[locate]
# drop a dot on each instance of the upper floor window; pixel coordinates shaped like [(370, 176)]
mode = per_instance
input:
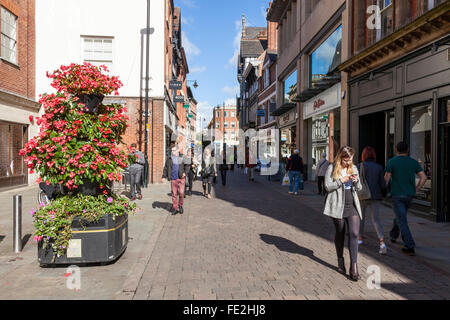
[(233, 124), (233, 114), (218, 114), (98, 51), (326, 57), (8, 36), (217, 125), (266, 77), (290, 87), (225, 114), (225, 125)]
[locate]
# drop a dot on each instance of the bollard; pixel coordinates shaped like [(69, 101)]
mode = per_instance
[(17, 224)]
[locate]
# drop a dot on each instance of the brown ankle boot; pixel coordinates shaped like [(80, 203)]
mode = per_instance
[(341, 266), (354, 275)]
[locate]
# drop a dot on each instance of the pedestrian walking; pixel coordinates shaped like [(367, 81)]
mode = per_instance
[(175, 170), (192, 172), (321, 169), (373, 174), (400, 173), (250, 166), (136, 170), (208, 172), (294, 168), (223, 168), (342, 205)]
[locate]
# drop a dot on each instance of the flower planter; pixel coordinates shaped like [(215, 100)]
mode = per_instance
[(100, 242), (91, 102), (89, 188)]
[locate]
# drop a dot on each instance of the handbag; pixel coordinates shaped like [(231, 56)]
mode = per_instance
[(364, 194)]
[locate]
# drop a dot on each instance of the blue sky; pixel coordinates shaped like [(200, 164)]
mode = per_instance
[(211, 33)]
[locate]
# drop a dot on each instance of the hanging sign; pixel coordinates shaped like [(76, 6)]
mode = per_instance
[(175, 85)]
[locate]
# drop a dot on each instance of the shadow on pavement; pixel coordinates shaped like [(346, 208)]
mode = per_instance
[(1, 238), (286, 245), (304, 212), (25, 240), (162, 205)]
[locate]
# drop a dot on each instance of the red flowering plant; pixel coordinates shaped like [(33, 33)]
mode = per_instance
[(74, 148)]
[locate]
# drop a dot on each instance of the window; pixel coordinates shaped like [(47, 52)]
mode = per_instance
[(13, 170), (225, 136), (233, 114), (218, 114), (233, 136), (290, 87), (98, 51), (8, 36), (226, 124), (420, 120), (217, 125), (386, 19), (225, 114), (326, 57), (266, 77), (233, 124)]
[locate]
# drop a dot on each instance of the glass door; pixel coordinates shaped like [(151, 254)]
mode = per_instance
[(444, 162)]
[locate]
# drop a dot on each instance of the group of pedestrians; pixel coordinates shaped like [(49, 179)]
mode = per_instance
[(345, 183)]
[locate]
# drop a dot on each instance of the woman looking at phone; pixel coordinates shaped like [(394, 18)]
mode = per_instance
[(342, 205)]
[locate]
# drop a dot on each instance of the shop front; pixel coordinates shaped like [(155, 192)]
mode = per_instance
[(408, 100), (322, 114), (288, 133)]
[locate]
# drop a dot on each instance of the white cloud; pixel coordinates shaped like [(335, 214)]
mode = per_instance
[(231, 91), (204, 110), (230, 102), (197, 69), (191, 49), (187, 21), (236, 44)]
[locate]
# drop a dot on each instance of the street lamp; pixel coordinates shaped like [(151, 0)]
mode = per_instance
[(195, 85)]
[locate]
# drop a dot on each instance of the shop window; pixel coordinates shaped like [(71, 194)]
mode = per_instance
[(13, 170), (420, 121), (290, 87), (326, 57)]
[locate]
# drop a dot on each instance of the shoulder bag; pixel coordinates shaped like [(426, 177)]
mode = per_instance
[(364, 194)]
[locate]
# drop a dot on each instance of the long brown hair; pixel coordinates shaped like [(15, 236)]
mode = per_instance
[(343, 153)]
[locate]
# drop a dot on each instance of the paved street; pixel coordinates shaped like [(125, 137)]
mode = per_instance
[(251, 241)]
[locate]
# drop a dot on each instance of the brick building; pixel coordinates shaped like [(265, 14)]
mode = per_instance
[(17, 89), (224, 129)]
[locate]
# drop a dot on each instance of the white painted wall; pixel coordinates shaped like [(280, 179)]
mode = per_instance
[(61, 23)]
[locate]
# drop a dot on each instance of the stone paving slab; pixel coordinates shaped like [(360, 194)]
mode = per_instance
[(22, 278), (254, 241)]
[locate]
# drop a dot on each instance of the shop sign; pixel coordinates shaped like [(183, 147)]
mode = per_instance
[(323, 102), (175, 85), (178, 98), (260, 113)]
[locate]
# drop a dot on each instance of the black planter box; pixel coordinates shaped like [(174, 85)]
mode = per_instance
[(91, 102), (100, 242)]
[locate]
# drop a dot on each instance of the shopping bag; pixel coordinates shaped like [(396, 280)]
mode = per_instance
[(286, 181), (245, 170)]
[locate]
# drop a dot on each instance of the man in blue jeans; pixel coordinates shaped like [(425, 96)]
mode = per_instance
[(295, 170), (401, 174)]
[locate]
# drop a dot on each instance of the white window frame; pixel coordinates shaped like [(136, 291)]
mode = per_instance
[(225, 124), (233, 114), (233, 124), (217, 114), (98, 60), (218, 125), (4, 15)]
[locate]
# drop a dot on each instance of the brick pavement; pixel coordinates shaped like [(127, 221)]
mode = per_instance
[(254, 241)]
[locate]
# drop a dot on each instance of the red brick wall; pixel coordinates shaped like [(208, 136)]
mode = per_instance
[(20, 79), (135, 133)]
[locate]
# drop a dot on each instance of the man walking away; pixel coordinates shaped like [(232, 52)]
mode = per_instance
[(136, 170), (295, 169), (321, 169), (400, 173), (175, 170), (223, 167)]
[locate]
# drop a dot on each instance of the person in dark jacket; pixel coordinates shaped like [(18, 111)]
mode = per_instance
[(208, 171), (223, 168), (175, 170), (295, 170), (374, 175), (191, 173), (136, 169)]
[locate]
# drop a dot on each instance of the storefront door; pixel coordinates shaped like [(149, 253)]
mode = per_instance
[(444, 162), (377, 130)]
